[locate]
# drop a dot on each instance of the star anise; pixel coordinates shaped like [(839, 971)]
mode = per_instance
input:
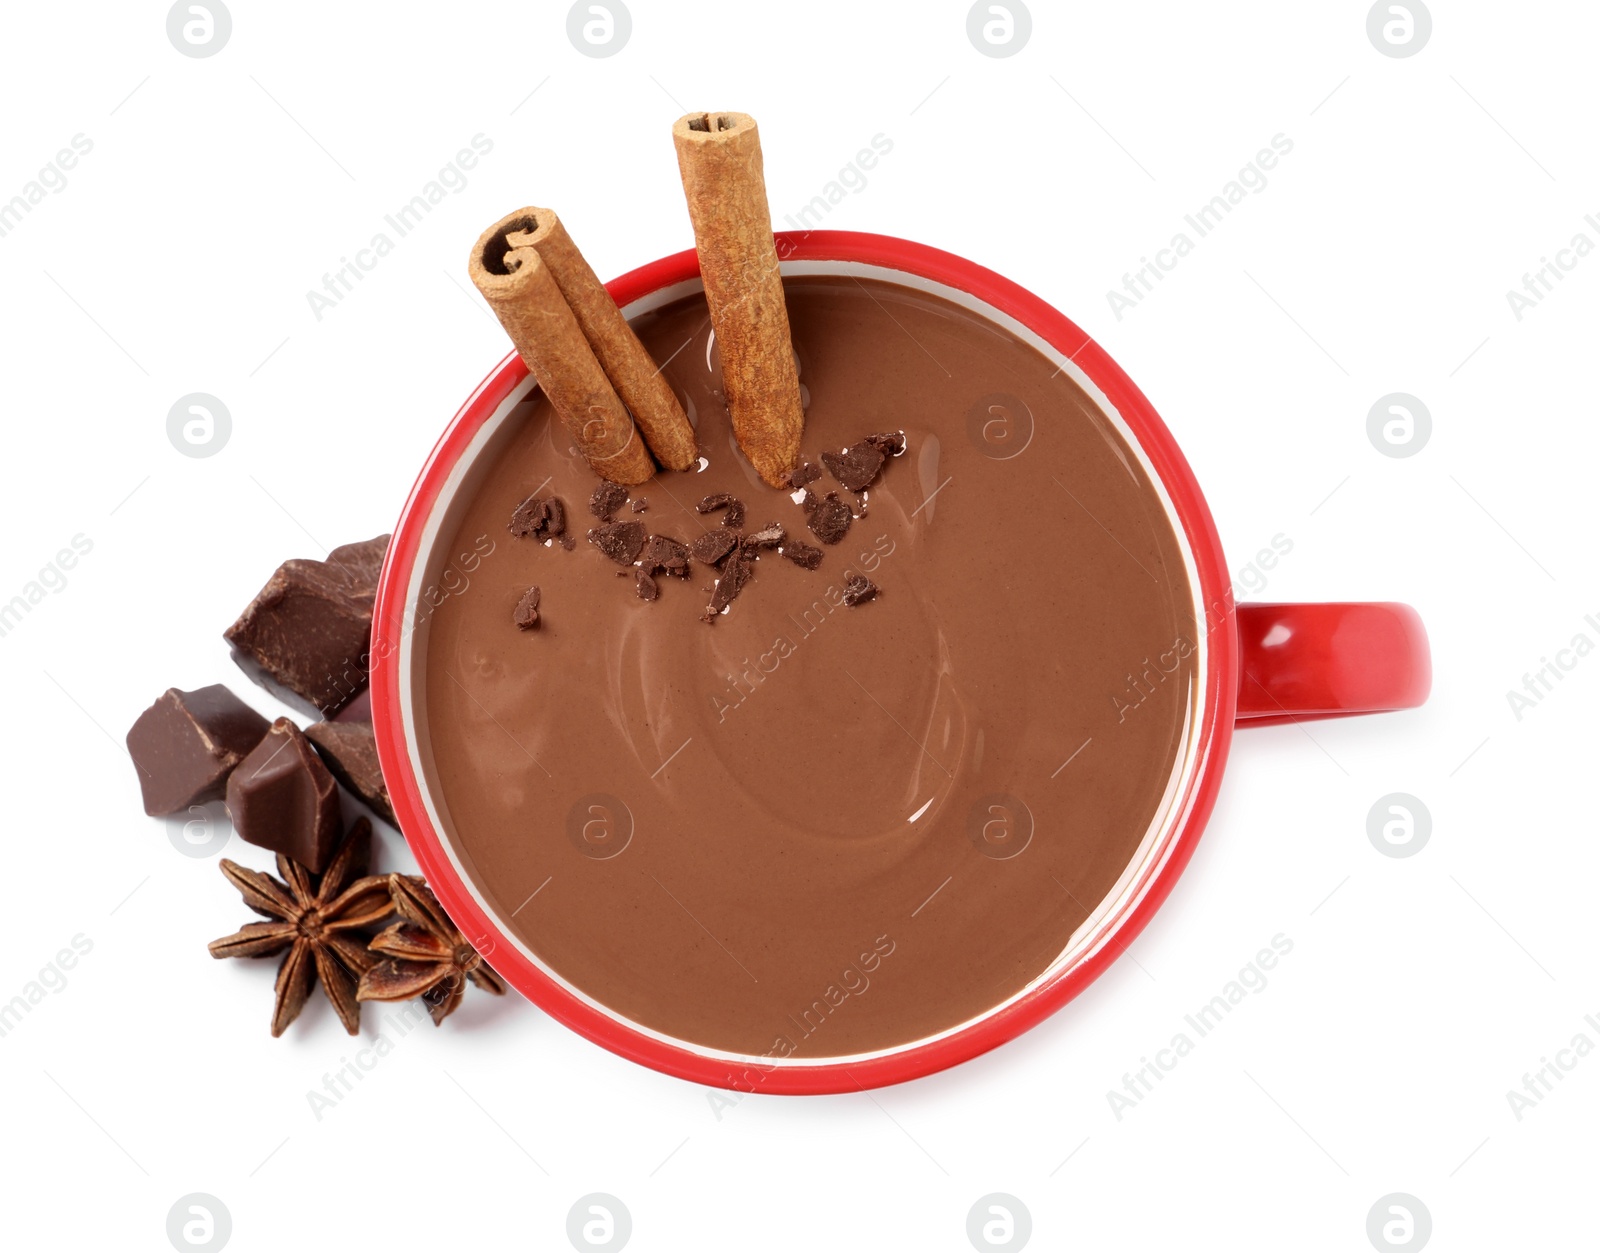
[(312, 916), (424, 955)]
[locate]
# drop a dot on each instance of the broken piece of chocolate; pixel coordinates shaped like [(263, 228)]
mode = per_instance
[(713, 546), (802, 474), (829, 518), (526, 614), (607, 499), (724, 500), (350, 752), (621, 541), (361, 562), (769, 536), (187, 743), (856, 466), (664, 555), (736, 572), (644, 586), (858, 588), (802, 554), (889, 443), (539, 518), (281, 797), (306, 634), (640, 505)]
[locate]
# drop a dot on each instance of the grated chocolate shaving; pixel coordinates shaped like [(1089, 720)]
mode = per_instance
[(803, 474), (539, 518), (526, 614), (769, 536), (664, 555), (858, 589), (607, 499), (856, 466), (736, 572), (713, 546), (724, 500), (621, 541), (829, 518), (802, 554)]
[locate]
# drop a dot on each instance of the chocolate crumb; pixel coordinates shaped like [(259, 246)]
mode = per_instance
[(856, 466), (663, 554), (769, 536), (540, 518), (526, 614), (569, 542), (640, 505), (803, 474), (830, 519), (724, 500), (805, 555), (858, 588), (621, 541), (890, 443), (736, 573), (644, 586), (607, 499), (713, 546)]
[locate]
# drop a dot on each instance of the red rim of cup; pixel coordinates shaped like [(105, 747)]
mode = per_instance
[(1161, 869)]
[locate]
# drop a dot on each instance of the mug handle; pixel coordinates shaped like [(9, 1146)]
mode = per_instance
[(1299, 662)]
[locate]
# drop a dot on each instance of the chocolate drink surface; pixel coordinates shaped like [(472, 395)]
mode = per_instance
[(810, 827)]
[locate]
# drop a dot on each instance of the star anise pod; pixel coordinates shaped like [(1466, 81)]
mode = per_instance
[(424, 955), (311, 917)]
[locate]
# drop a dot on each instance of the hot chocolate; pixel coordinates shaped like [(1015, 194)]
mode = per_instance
[(822, 822)]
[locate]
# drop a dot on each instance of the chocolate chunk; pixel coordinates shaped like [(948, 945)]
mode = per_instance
[(307, 632), (621, 541), (644, 586), (607, 499), (858, 588), (358, 710), (724, 500), (803, 474), (829, 519), (769, 536), (856, 466), (802, 554), (361, 563), (539, 518), (281, 797), (526, 614), (186, 744), (350, 752), (568, 542), (713, 546), (664, 555), (736, 572), (640, 505), (890, 443)]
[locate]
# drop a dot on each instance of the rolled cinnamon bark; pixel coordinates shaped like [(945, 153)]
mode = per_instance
[(526, 298), (719, 158), (636, 378)]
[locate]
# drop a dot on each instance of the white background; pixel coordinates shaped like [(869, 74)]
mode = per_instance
[(1419, 190)]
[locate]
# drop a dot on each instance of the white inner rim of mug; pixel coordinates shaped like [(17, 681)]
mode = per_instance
[(1103, 922)]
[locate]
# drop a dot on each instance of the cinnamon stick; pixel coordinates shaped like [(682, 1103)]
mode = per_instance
[(719, 158), (526, 298), (635, 376)]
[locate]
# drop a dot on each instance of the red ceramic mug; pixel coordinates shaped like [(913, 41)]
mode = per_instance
[(1260, 664)]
